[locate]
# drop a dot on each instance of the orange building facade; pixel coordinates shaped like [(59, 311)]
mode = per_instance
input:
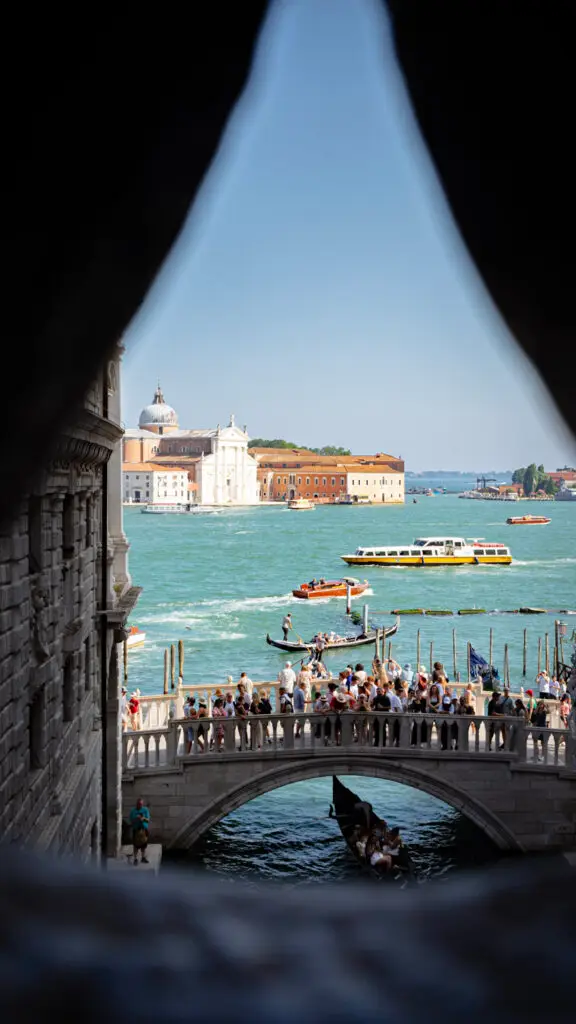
[(284, 474)]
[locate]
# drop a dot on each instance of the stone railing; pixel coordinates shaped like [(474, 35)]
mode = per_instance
[(157, 711), (263, 736)]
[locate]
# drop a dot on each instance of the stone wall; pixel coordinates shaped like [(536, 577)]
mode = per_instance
[(50, 661), (58, 629)]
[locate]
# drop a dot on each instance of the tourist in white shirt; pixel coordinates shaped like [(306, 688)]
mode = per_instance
[(229, 709), (543, 683), (554, 688), (287, 677), (360, 673), (246, 683), (407, 674), (395, 702)]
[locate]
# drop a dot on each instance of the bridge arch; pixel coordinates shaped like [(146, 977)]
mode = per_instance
[(284, 774)]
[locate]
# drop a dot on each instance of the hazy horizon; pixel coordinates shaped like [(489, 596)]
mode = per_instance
[(319, 290)]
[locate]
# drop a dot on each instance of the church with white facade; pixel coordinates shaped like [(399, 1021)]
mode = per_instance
[(220, 469)]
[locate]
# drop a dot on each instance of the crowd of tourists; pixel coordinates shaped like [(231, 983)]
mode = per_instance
[(385, 687)]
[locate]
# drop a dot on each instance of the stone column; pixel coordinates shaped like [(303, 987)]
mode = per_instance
[(119, 542), (114, 748)]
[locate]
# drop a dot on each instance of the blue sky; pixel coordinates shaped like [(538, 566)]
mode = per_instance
[(319, 290)]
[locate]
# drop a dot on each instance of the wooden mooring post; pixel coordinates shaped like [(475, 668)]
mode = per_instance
[(166, 670), (180, 662), (506, 672), (431, 656), (172, 665), (490, 649), (348, 599), (539, 654), (468, 646), (125, 652), (525, 653), (547, 652), (454, 659), (418, 651)]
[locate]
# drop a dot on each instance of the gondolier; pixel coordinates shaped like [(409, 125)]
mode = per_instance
[(338, 644), (287, 625), (320, 644)]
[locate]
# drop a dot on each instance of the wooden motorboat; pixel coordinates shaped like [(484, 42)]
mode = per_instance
[(349, 812), (330, 588), (527, 520), (345, 643), (136, 637)]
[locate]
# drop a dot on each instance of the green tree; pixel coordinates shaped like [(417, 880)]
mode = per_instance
[(277, 442), (329, 449), (518, 476), (530, 478), (550, 486)]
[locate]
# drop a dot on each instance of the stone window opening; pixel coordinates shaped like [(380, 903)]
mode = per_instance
[(35, 559), (67, 691), (36, 731), (88, 534), (87, 665), (68, 527)]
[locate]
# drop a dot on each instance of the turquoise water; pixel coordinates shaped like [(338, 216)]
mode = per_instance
[(220, 583)]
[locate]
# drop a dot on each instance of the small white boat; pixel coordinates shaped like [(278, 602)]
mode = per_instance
[(136, 637), (182, 510), (301, 505)]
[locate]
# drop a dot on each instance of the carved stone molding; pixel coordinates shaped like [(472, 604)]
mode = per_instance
[(82, 454)]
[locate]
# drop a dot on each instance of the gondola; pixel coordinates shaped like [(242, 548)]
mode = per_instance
[(361, 640), (349, 811)]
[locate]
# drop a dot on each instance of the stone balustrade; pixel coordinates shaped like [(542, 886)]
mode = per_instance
[(264, 736), (158, 710)]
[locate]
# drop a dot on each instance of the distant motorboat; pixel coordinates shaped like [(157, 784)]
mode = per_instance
[(301, 505), (331, 588), (181, 510), (527, 520)]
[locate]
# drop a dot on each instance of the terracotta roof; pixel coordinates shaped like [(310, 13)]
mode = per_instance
[(381, 467), (334, 469), (150, 467), (288, 460)]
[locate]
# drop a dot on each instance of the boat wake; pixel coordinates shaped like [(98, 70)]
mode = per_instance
[(543, 561)]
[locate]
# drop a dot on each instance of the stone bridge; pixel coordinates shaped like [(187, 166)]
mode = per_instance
[(518, 784)]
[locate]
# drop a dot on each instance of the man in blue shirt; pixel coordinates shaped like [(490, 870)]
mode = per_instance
[(140, 822)]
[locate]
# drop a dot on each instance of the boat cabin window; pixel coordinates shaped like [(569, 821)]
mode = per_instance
[(404, 554), (502, 551), (478, 551), (392, 554), (490, 551), (458, 544), (368, 553), (416, 552)]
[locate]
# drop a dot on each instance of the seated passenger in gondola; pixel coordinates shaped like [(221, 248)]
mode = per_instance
[(312, 584), (393, 841), (377, 855)]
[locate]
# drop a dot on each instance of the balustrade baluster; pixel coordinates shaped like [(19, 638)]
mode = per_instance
[(288, 732), (464, 734), (405, 731)]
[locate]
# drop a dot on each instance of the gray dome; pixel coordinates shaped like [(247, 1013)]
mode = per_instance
[(158, 413)]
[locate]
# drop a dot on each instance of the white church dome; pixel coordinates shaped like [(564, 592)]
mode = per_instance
[(158, 414)]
